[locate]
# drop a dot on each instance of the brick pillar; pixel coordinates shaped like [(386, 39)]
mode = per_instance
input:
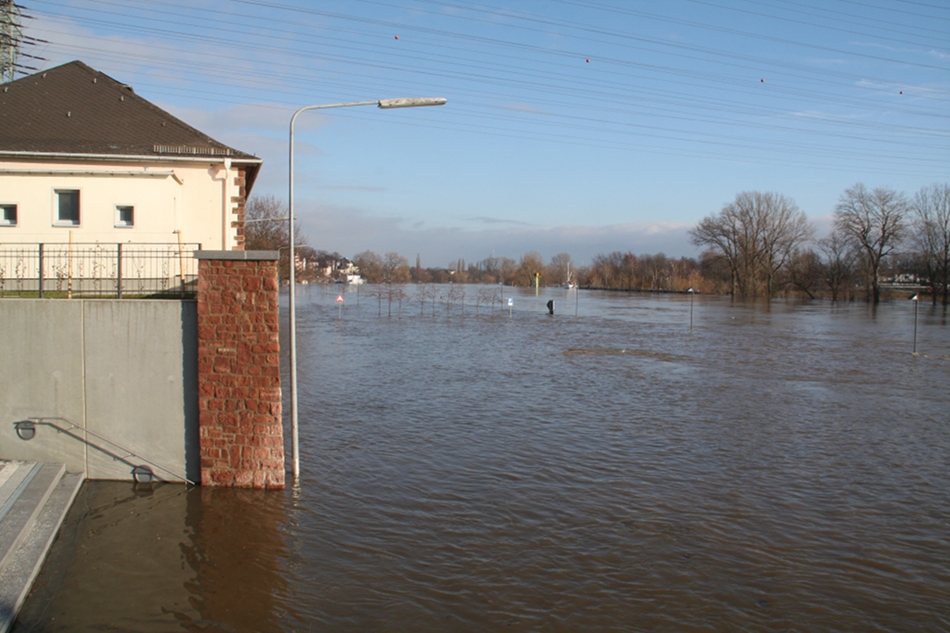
[(239, 413)]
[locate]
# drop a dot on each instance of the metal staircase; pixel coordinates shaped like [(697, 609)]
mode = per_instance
[(34, 500)]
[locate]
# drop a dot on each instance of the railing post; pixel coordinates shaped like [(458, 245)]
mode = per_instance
[(118, 274), (41, 271)]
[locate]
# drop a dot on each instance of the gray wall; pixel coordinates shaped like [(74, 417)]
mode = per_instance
[(125, 370)]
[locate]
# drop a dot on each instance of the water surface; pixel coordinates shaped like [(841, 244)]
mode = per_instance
[(777, 467)]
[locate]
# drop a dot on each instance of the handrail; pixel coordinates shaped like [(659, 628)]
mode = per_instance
[(47, 422)]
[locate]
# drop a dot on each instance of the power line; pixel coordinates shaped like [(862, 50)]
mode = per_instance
[(639, 88)]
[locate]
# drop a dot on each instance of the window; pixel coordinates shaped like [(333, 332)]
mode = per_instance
[(67, 207), (124, 216), (7, 215)]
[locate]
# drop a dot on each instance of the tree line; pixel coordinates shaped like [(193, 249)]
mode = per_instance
[(759, 245), (763, 244)]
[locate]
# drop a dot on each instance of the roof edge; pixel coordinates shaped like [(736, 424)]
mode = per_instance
[(130, 157)]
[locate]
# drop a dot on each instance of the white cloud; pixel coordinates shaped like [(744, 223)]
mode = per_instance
[(484, 219), (349, 231), (245, 117), (525, 108)]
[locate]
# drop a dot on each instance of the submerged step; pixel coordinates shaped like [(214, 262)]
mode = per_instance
[(25, 504), (32, 519), (14, 476)]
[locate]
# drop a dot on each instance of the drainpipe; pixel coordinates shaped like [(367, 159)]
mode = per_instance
[(226, 207)]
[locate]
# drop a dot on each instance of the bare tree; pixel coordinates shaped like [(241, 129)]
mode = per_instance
[(784, 229), (395, 269), (605, 269), (266, 229), (456, 294), (837, 259), (931, 236), (378, 291), (805, 272), (684, 274), (507, 268), (531, 263), (487, 271), (266, 226), (716, 272), (757, 233), (724, 234), (420, 275), (485, 295), (656, 268), (560, 268), (875, 223), (633, 270), (425, 292), (396, 292), (370, 266)]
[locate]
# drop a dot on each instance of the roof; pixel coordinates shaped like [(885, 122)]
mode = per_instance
[(74, 109)]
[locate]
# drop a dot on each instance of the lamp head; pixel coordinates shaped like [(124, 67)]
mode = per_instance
[(416, 102), (142, 475), (25, 429)]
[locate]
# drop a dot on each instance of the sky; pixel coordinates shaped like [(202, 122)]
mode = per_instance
[(571, 127)]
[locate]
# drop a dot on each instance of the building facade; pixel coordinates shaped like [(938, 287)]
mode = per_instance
[(84, 159)]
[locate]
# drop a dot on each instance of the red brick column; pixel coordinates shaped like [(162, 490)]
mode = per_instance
[(239, 413)]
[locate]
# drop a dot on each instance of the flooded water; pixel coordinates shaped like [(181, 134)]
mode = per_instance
[(781, 467)]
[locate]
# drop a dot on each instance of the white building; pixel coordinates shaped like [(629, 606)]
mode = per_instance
[(85, 159)]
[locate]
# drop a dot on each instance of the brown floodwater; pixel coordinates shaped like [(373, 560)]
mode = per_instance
[(779, 467)]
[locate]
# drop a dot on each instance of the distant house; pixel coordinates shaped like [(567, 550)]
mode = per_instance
[(84, 158)]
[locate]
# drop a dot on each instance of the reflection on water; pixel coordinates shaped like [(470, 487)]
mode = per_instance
[(780, 467), (144, 558)]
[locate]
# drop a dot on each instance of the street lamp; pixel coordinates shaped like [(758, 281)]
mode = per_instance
[(383, 104)]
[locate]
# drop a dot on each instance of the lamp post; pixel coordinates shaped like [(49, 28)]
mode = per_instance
[(383, 104)]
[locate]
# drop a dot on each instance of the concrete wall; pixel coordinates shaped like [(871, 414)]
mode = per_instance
[(124, 369)]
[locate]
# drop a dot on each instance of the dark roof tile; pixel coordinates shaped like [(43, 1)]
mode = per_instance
[(74, 109)]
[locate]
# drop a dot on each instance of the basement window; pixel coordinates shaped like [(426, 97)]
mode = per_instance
[(124, 216), (67, 207), (7, 215)]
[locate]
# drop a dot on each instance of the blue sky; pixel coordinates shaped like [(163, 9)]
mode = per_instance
[(577, 127)]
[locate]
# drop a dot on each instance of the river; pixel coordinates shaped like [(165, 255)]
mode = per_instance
[(631, 463)]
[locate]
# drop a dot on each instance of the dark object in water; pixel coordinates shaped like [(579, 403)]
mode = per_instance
[(551, 306)]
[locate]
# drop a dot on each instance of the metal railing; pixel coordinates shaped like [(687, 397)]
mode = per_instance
[(98, 269), (26, 430)]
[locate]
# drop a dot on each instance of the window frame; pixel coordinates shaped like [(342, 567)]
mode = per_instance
[(57, 221), (119, 223), (4, 218)]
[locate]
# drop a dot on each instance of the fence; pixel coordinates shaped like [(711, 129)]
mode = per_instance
[(98, 270)]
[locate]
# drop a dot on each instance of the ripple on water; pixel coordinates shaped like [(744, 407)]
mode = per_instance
[(774, 469)]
